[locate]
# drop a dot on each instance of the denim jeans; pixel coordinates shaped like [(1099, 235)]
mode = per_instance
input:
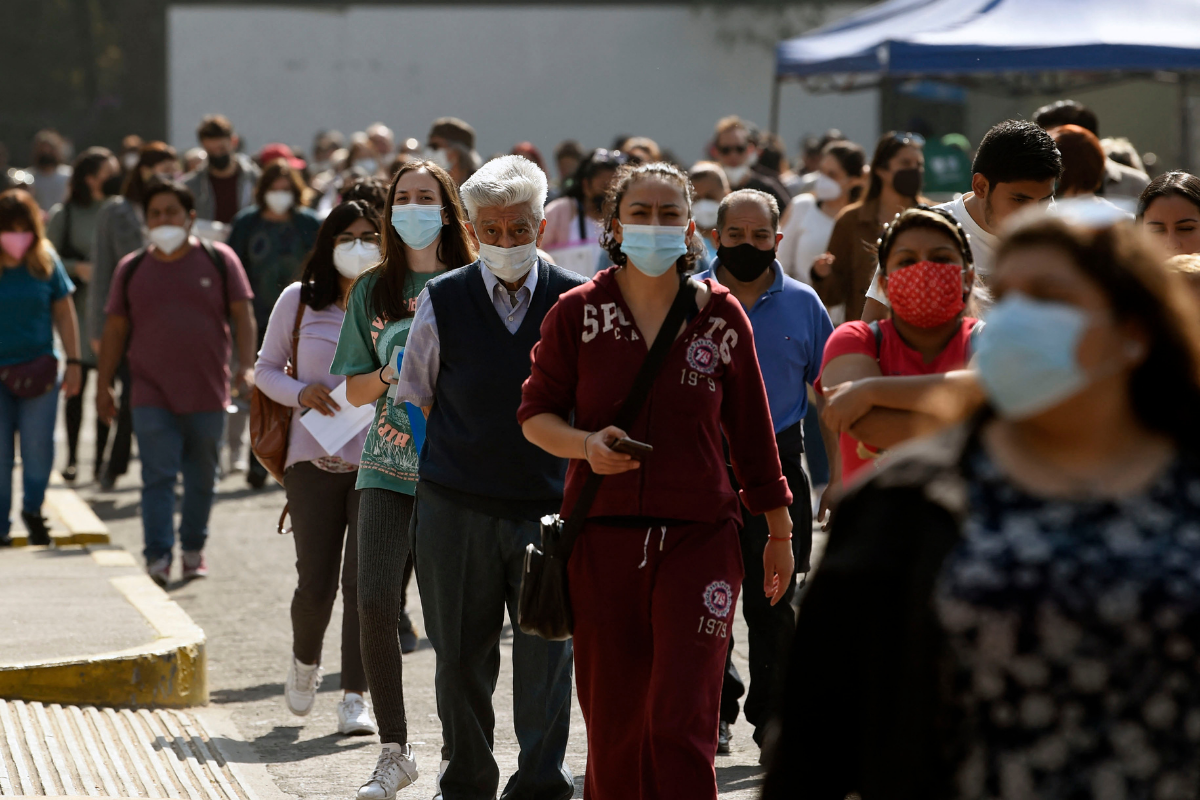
[(170, 444), (33, 420)]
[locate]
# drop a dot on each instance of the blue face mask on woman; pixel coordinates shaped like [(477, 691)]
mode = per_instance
[(419, 226), (1026, 355), (653, 249)]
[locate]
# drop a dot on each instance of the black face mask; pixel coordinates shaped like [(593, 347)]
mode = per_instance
[(46, 160), (221, 161), (908, 182), (112, 186), (745, 262)]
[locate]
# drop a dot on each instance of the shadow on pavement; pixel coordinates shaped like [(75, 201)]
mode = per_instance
[(283, 744), (742, 776), (264, 691)]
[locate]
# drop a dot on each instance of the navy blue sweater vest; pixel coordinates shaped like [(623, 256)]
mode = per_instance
[(474, 446)]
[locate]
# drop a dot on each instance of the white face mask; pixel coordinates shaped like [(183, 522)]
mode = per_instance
[(352, 258), (167, 238), (437, 156), (737, 174), (509, 264), (130, 159), (279, 201), (368, 164), (705, 213), (826, 188)]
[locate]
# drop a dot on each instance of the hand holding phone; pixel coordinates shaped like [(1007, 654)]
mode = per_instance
[(631, 447)]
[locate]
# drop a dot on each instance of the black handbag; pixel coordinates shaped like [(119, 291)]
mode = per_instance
[(544, 606)]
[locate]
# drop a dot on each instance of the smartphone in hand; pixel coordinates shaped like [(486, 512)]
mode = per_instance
[(631, 447)]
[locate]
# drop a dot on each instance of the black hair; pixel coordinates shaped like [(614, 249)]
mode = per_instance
[(630, 174), (159, 185), (1066, 112), (923, 216), (87, 165), (1177, 184), (372, 191), (319, 287), (595, 161), (851, 157), (1017, 150), (889, 145)]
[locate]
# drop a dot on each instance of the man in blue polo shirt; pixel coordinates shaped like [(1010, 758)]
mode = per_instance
[(790, 328)]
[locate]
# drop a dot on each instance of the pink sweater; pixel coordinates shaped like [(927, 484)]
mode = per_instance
[(318, 339)]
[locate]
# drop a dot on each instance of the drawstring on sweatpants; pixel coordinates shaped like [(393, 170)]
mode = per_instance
[(646, 544)]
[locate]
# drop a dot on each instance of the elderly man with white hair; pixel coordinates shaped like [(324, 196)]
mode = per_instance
[(483, 488)]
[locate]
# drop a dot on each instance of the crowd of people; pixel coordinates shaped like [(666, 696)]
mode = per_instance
[(988, 402)]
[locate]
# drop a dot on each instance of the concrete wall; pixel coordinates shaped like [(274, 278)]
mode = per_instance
[(517, 73)]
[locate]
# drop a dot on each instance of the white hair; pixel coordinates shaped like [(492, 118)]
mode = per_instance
[(506, 181)]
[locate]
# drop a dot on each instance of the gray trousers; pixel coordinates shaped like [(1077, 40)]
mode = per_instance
[(383, 548), (469, 568)]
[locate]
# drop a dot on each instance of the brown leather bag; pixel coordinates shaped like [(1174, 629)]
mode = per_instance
[(270, 422)]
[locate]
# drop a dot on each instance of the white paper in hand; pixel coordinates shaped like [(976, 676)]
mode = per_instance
[(332, 433), (397, 358)]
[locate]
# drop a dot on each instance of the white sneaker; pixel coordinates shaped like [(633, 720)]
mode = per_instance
[(354, 716), (396, 768), (301, 688)]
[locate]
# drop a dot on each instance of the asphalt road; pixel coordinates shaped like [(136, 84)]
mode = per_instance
[(244, 609)]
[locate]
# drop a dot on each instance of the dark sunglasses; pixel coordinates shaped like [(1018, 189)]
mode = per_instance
[(613, 158), (731, 148)]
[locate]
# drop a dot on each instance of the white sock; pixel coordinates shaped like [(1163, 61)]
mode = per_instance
[(392, 746), (352, 696)]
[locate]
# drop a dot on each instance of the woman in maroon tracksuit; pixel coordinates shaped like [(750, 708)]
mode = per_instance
[(655, 574)]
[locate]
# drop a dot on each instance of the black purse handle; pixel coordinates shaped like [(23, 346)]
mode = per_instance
[(629, 410)]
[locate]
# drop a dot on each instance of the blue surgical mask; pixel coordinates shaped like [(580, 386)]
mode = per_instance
[(653, 249), (1026, 355), (419, 226)]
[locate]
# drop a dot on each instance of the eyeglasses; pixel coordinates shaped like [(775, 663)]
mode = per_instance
[(914, 139), (366, 238), (731, 148)]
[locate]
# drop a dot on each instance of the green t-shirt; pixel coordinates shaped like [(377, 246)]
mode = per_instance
[(389, 458)]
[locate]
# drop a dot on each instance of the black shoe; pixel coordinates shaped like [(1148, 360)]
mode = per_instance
[(107, 481), (408, 634), (70, 473), (39, 533), (723, 737), (255, 479), (5, 541)]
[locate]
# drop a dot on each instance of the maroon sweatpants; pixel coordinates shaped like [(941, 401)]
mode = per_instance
[(652, 617)]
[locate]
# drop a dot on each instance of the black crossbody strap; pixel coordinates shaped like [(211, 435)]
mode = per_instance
[(632, 407)]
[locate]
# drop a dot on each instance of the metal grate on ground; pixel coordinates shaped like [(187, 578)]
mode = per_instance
[(53, 750)]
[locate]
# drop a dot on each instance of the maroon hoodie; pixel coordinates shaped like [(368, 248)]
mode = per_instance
[(588, 356)]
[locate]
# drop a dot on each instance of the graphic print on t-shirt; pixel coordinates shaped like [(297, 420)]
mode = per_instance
[(386, 449)]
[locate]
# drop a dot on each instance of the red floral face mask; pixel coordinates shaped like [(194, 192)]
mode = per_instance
[(927, 294)]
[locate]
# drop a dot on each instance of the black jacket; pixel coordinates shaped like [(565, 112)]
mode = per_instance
[(867, 706)]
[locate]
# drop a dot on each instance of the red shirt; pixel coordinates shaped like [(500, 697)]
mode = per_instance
[(225, 197), (179, 340), (895, 358), (709, 383)]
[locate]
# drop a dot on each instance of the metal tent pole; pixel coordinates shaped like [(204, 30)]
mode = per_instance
[(775, 87), (1185, 124)]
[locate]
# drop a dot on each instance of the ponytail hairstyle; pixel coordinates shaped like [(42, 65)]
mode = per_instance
[(19, 211), (87, 165), (454, 248), (629, 174), (889, 145), (151, 155)]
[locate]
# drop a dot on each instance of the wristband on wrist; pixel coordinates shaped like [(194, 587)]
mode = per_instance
[(76, 361), (380, 374), (787, 538), (586, 457)]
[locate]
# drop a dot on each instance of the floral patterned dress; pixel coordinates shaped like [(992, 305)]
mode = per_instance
[(1075, 631)]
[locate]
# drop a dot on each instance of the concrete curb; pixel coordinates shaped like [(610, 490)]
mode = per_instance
[(169, 672), (64, 505)]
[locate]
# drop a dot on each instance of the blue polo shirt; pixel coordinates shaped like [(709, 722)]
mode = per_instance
[(791, 327)]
